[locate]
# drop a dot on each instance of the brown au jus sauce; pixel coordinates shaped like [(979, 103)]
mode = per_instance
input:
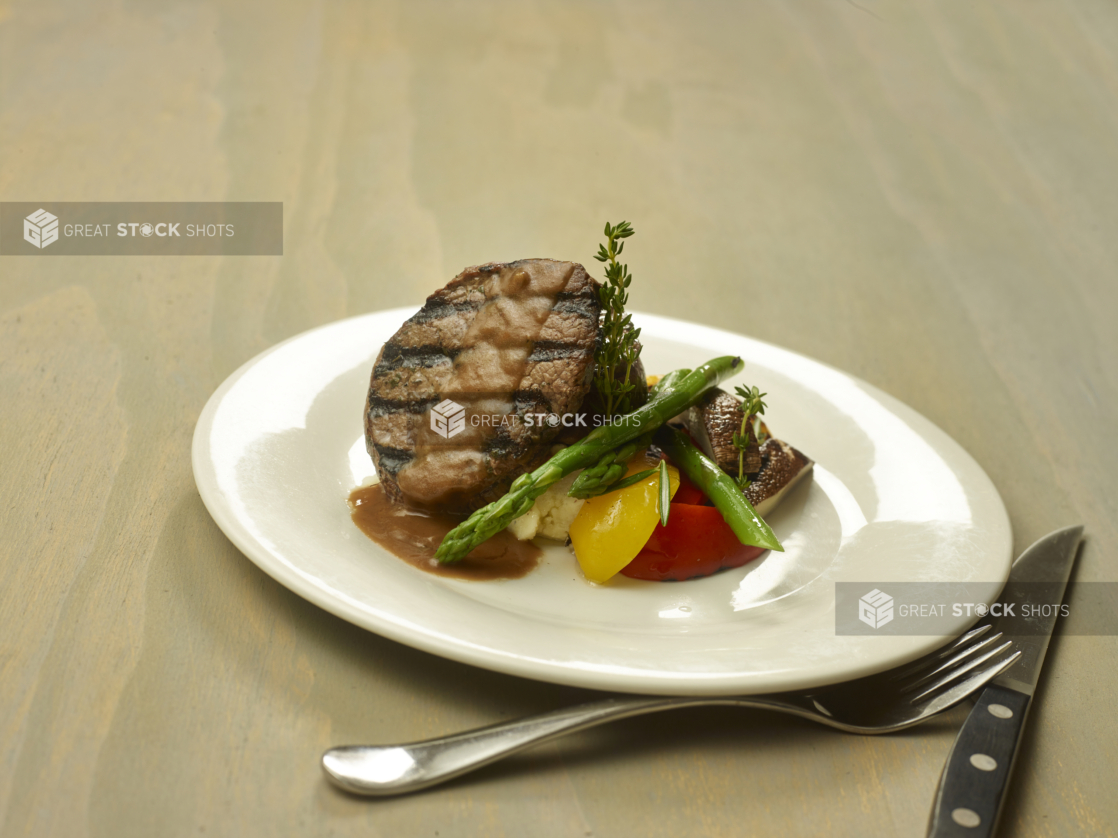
[(413, 534)]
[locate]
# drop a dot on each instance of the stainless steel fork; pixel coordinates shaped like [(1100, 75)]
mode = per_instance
[(881, 703)]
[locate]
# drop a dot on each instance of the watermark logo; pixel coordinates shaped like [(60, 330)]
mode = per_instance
[(944, 608), (875, 609), (141, 228), (40, 228), (448, 418), (495, 414)]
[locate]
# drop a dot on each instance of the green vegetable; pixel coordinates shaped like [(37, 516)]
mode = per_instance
[(602, 476), (737, 511), (668, 381), (608, 474), (618, 349), (665, 493), (669, 401), (631, 480)]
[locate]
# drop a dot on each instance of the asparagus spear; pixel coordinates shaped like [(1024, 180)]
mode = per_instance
[(608, 474), (631, 480), (669, 401), (603, 475), (728, 498)]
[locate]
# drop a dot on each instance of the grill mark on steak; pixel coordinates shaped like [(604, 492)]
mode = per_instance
[(392, 460), (377, 406), (529, 401), (580, 304), (501, 341), (551, 350), (500, 444), (396, 356), (437, 309)]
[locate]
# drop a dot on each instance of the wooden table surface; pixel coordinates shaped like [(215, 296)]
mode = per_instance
[(923, 195)]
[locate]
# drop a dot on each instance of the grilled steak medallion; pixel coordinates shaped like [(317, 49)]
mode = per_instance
[(506, 343)]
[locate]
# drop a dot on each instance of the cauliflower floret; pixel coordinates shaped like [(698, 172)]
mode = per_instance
[(551, 515), (527, 525), (556, 521)]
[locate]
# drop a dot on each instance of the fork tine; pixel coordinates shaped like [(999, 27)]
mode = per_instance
[(943, 652), (963, 670), (951, 662), (966, 638), (971, 685)]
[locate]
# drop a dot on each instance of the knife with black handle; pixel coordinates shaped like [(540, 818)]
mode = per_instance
[(974, 781)]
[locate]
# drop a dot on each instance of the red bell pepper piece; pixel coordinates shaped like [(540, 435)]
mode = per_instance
[(696, 542), (688, 493)]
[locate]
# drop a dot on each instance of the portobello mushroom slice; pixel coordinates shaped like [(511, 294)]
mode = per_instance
[(773, 466), (782, 468), (713, 423)]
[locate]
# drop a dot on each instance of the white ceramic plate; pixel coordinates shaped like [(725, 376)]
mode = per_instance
[(280, 445)]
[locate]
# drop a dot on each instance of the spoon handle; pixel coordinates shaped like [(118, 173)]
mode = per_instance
[(378, 770)]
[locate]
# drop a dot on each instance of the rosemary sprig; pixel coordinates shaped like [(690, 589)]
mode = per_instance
[(752, 404), (664, 502), (618, 349)]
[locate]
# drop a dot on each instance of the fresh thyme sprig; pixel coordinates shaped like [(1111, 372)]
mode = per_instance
[(618, 350), (664, 502), (752, 404)]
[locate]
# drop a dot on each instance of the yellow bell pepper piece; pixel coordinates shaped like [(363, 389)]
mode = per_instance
[(611, 529)]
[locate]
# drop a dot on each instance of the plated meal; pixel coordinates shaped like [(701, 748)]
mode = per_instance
[(515, 405), (282, 443)]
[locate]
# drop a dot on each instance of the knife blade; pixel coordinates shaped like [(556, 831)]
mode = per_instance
[(972, 788)]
